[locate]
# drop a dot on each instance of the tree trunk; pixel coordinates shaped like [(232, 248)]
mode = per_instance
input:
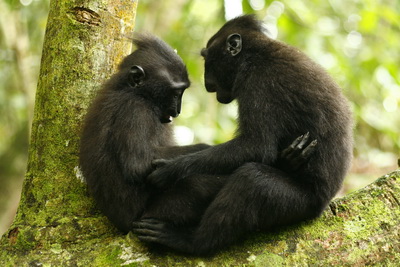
[(84, 42), (57, 223)]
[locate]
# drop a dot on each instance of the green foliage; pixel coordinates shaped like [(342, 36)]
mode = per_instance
[(356, 41), (22, 25)]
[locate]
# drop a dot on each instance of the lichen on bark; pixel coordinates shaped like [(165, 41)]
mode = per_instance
[(84, 42)]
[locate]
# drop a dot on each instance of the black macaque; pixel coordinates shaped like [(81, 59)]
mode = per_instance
[(281, 93), (127, 127)]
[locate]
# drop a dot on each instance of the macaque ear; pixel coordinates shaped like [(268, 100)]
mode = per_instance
[(234, 44), (136, 75)]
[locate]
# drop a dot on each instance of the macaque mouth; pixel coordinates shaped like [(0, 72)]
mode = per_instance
[(211, 87), (167, 118)]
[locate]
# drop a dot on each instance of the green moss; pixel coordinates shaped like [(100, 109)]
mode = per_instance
[(109, 257), (266, 259), (25, 239)]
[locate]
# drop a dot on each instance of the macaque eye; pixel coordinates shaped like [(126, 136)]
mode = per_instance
[(176, 94)]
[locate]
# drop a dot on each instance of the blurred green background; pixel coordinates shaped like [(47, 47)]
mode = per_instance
[(357, 41)]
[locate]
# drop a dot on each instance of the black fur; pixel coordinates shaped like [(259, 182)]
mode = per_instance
[(281, 94), (126, 128)]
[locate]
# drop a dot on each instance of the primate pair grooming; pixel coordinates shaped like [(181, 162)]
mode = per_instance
[(202, 198)]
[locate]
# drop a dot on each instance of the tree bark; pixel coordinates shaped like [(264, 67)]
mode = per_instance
[(57, 223), (84, 42)]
